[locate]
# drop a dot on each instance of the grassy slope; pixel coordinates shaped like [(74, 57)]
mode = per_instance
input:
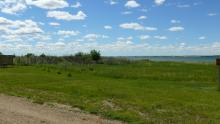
[(135, 93)]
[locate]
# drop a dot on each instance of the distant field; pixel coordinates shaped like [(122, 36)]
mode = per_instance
[(141, 92)]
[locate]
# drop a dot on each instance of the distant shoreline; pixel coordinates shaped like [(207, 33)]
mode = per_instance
[(173, 58)]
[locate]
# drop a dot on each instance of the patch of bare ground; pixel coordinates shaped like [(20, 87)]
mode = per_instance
[(14, 110)]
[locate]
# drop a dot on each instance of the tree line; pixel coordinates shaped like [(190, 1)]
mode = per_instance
[(93, 56)]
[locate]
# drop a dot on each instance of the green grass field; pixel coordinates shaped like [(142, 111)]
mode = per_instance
[(141, 92)]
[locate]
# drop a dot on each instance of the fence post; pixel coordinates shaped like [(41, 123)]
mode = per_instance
[(218, 64)]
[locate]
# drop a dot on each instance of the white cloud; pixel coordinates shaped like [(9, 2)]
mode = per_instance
[(108, 27), (144, 37), (183, 6), (151, 28), (76, 5), (19, 30), (112, 2), (175, 21), (124, 38), (48, 4), (136, 26), (176, 29), (68, 33), (212, 14), (142, 17), (19, 27), (122, 46), (62, 15), (133, 26), (54, 24), (12, 6), (132, 4), (202, 38), (94, 37), (159, 2), (160, 37), (59, 45), (126, 13), (124, 41)]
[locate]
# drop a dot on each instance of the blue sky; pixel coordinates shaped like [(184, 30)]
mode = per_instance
[(115, 27)]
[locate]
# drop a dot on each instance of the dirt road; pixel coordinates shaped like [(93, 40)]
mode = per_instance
[(14, 110)]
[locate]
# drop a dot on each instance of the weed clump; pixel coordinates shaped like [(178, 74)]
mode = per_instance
[(91, 69), (69, 75), (59, 72)]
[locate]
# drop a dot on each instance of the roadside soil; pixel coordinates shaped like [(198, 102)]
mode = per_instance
[(15, 110)]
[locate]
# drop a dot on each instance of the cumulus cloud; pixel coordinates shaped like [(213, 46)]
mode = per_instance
[(108, 27), (58, 45), (150, 28), (132, 4), (62, 15), (202, 38), (93, 37), (126, 13), (144, 37), (76, 5), (17, 6), (133, 26), (175, 21), (54, 24), (48, 4), (124, 41), (20, 30), (122, 46), (12, 6), (176, 29), (136, 26), (111, 2), (159, 2), (160, 37), (212, 14), (142, 17), (19, 27), (68, 33)]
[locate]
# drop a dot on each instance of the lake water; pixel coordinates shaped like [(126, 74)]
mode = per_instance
[(176, 58)]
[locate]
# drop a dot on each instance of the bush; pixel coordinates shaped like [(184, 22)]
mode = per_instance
[(80, 58)]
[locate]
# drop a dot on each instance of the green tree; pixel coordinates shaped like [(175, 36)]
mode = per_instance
[(79, 54), (29, 55), (1, 53), (95, 55), (43, 55)]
